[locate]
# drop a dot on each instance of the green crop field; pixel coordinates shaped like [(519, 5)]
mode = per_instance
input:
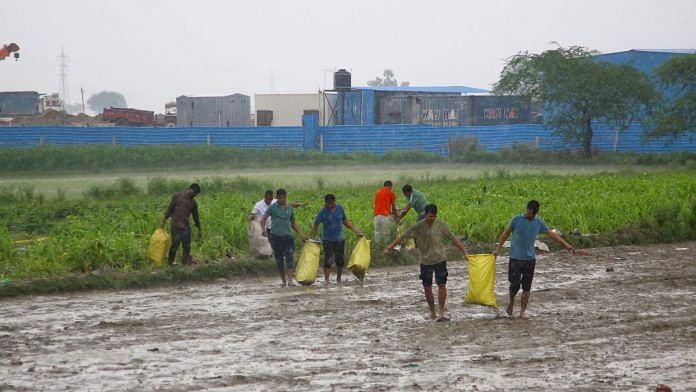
[(108, 226)]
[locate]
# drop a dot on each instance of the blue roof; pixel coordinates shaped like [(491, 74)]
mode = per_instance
[(669, 51), (428, 89)]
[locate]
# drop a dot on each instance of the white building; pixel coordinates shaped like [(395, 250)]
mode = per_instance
[(282, 110)]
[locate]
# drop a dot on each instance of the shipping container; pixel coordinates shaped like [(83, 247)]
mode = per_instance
[(223, 112)]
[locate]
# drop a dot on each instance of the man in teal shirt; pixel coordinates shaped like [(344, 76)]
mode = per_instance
[(280, 237), (416, 201), (524, 228)]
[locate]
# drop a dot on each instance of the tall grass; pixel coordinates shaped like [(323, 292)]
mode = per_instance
[(109, 228), (100, 158)]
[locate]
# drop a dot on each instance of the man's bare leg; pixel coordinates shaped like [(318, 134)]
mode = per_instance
[(441, 297), (327, 274), (431, 300), (282, 276), (339, 271), (525, 301), (511, 304), (290, 279)]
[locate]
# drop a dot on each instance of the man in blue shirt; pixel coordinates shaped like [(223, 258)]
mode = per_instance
[(524, 228), (333, 217)]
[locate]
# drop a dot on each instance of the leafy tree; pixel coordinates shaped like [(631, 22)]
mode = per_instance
[(676, 116), (388, 80), (106, 99), (576, 91)]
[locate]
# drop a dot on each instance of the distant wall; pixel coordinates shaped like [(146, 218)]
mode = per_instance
[(335, 139)]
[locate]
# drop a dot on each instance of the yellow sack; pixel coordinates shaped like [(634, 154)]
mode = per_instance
[(360, 258), (481, 280), (306, 271), (160, 242)]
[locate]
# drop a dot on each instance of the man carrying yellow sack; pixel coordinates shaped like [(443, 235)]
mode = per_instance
[(180, 208), (524, 228), (428, 234), (333, 217)]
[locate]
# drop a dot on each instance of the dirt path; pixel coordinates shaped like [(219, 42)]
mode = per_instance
[(622, 319)]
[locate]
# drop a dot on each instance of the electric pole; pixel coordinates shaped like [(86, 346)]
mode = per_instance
[(63, 78)]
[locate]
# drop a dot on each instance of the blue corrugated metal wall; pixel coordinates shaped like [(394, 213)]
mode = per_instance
[(348, 138), (252, 137), (380, 139)]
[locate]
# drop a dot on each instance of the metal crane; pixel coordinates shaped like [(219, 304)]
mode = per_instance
[(9, 49)]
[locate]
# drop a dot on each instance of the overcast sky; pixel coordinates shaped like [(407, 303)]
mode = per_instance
[(154, 51)]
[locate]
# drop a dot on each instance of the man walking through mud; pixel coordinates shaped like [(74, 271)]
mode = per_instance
[(280, 237), (429, 234), (332, 217), (180, 208), (524, 228)]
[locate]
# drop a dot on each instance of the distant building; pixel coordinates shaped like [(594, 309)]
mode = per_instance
[(51, 102), (19, 103), (646, 60), (435, 106), (226, 111), (287, 109)]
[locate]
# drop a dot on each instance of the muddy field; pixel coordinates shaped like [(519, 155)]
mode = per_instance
[(620, 319)]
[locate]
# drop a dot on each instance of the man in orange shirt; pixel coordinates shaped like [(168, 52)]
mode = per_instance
[(385, 210)]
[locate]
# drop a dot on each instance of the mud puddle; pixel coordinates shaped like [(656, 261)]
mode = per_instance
[(622, 318)]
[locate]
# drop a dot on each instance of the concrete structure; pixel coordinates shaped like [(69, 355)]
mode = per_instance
[(51, 102), (287, 109), (19, 103), (225, 112)]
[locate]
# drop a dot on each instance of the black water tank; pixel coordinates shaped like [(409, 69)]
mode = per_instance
[(342, 80)]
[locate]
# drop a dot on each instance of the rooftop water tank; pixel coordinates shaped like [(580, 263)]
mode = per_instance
[(342, 80)]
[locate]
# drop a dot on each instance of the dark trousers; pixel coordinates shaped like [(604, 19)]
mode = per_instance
[(183, 237), (283, 247)]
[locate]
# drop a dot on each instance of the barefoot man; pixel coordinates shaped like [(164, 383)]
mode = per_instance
[(524, 228), (428, 234), (280, 238), (333, 218)]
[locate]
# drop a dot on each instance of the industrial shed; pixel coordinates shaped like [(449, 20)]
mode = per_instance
[(436, 106), (646, 60), (224, 112), (19, 103)]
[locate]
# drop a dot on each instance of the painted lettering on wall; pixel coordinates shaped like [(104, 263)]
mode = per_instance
[(500, 113)]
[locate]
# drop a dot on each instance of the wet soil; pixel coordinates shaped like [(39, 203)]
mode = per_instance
[(622, 318)]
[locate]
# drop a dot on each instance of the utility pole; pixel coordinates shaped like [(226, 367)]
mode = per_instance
[(82, 93), (63, 78)]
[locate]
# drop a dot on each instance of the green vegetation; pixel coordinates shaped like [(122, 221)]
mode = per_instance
[(50, 160), (577, 90), (676, 116), (105, 233)]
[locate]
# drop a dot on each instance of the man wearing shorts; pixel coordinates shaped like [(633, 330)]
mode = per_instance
[(333, 218), (428, 234), (281, 238), (524, 228)]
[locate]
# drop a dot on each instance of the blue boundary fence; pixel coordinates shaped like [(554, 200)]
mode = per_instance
[(336, 139)]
